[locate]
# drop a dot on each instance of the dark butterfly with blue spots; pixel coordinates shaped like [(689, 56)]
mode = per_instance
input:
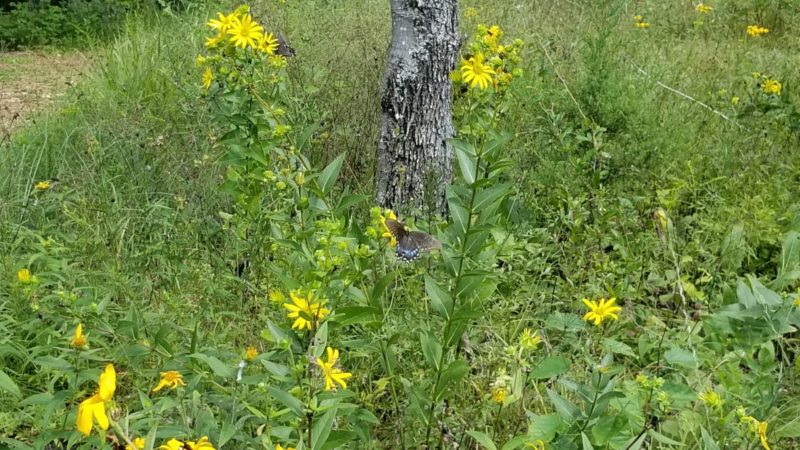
[(410, 244)]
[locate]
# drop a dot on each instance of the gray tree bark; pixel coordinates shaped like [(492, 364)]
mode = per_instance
[(415, 163)]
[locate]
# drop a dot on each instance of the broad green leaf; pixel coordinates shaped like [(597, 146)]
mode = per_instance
[(322, 428), (467, 160), (587, 444), (287, 400), (8, 385), (218, 367), (681, 357), (52, 362), (563, 407), (440, 299), (453, 375), (490, 195), (227, 432), (483, 439), (550, 367), (544, 427), (708, 442), (328, 176), (431, 349), (661, 438)]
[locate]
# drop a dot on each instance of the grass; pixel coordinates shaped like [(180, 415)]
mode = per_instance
[(605, 133)]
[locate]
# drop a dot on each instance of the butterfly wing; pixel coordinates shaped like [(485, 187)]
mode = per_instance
[(398, 229)]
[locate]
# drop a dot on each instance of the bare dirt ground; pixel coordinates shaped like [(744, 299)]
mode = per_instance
[(31, 81)]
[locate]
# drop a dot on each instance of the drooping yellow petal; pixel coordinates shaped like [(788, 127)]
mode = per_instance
[(108, 383)]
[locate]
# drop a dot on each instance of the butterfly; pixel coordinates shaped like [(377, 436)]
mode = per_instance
[(410, 243)]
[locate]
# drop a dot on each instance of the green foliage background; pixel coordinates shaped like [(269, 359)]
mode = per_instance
[(132, 235)]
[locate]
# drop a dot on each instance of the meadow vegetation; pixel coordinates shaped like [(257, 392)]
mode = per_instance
[(191, 255)]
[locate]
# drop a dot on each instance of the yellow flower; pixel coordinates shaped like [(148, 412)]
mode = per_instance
[(762, 434), (93, 409), (642, 25), (267, 43), (24, 276), (275, 296), (388, 214), (756, 31), (710, 399), (536, 445), (499, 394), (171, 379), (42, 186), (474, 72), (79, 339), (602, 310), (138, 444), (797, 301), (208, 77), (280, 447), (244, 32), (251, 353), (305, 313), (333, 375), (702, 8), (224, 23), (529, 340), (174, 444), (734, 100), (771, 86), (214, 41), (277, 61), (200, 60)]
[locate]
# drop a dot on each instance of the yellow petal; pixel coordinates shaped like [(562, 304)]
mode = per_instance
[(84, 420), (108, 383)]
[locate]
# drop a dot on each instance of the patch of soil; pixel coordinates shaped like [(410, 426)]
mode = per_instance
[(33, 80)]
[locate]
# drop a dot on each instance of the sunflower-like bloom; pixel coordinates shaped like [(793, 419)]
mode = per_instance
[(223, 23), (24, 276), (268, 43), (78, 339), (710, 398), (208, 78), (771, 86), (529, 340), (305, 313), (245, 32), (171, 379), (280, 447), (475, 72), (601, 310), (42, 185), (702, 8), (251, 353), (137, 444), (756, 31), (93, 409), (333, 375), (388, 214), (174, 444)]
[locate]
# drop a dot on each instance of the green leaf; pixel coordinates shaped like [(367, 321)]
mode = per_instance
[(8, 385), (460, 217), (708, 441), (322, 428), (661, 438), (218, 367), (681, 357), (550, 367), (587, 444), (483, 439), (544, 427), (431, 349), (52, 362), (440, 299), (564, 407), (287, 400), (454, 373), (490, 195), (328, 176), (467, 160), (227, 432)]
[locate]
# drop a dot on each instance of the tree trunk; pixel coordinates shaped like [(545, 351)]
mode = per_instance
[(415, 163)]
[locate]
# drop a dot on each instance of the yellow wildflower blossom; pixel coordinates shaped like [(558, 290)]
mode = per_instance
[(280, 447), (529, 340), (642, 25), (24, 276), (208, 78), (702, 8), (245, 32), (251, 353), (223, 23), (42, 186), (212, 42), (601, 310), (333, 375), (388, 214), (93, 409), (268, 43), (761, 430), (710, 399), (138, 444), (78, 339), (475, 72), (305, 313), (171, 379), (756, 31), (174, 444), (771, 86)]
